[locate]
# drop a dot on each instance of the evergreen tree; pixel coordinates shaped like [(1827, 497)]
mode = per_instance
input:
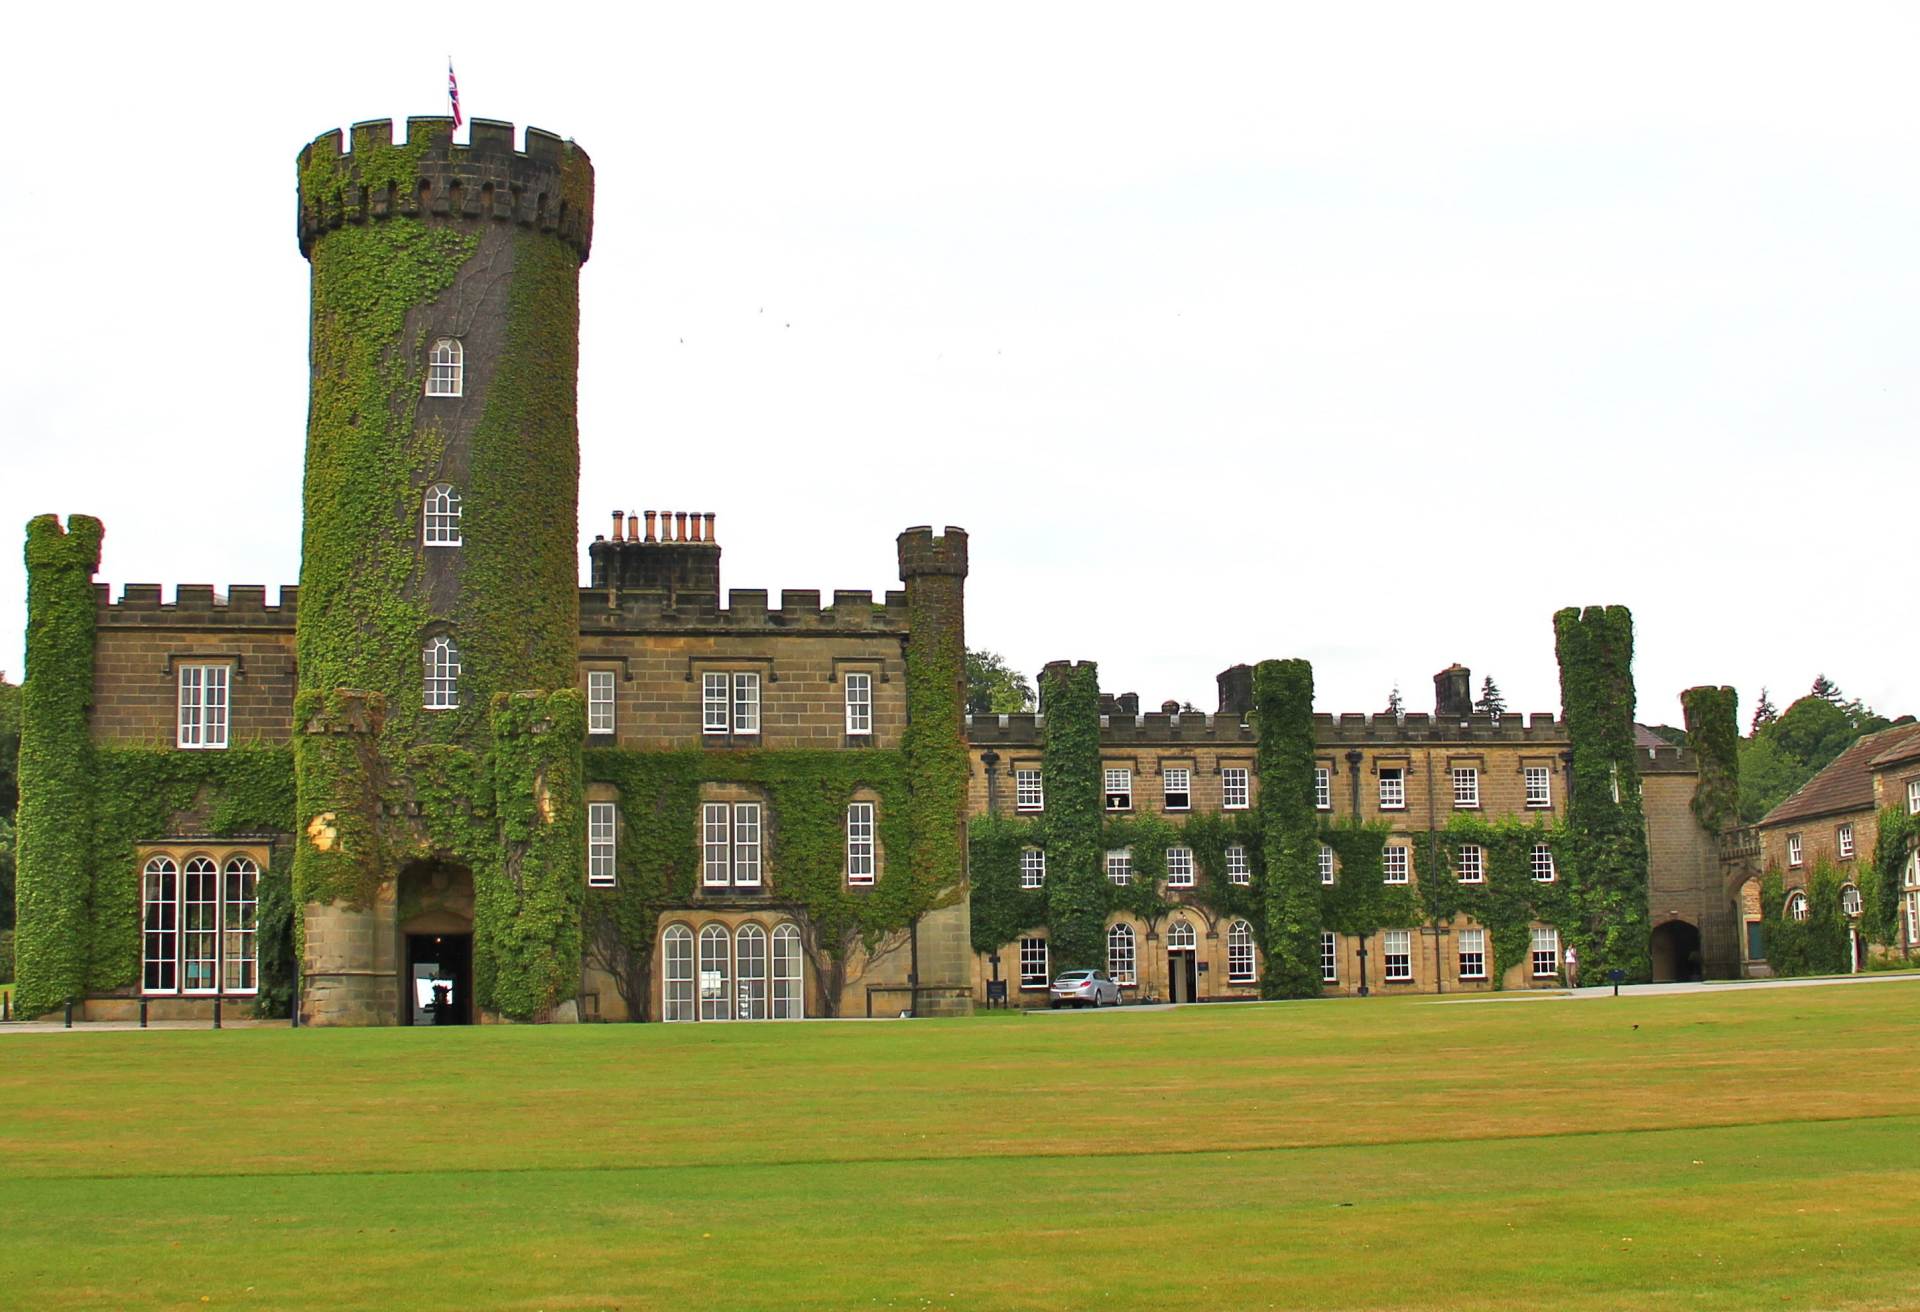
[(1826, 689), (1491, 702), (1395, 707), (1764, 714)]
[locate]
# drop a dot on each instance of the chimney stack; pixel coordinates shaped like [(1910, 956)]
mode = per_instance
[(1453, 693)]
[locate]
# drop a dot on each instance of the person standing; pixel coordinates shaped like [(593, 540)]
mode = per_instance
[(1573, 967)]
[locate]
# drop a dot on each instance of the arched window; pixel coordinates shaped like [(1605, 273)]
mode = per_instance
[(1850, 900), (676, 977), (1240, 952), (1120, 954), (715, 968), (1797, 906), (1180, 937), (160, 925), (789, 993), (440, 517), (444, 367), (200, 927), (443, 674), (239, 921), (750, 963)]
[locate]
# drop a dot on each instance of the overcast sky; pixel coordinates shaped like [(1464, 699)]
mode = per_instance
[(1370, 334)]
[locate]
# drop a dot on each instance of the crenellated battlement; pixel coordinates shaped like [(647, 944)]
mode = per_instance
[(1329, 730), (243, 605), (548, 186), (922, 551), (746, 611), (1668, 760), (1419, 727)]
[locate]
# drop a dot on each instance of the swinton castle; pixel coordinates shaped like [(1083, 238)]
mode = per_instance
[(440, 781)]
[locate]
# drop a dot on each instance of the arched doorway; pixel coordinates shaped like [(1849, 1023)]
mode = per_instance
[(435, 922), (1676, 953), (1183, 978)]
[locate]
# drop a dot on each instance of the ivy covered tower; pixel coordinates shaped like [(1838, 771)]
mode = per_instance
[(437, 734)]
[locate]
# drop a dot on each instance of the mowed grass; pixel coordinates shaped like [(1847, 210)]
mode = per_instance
[(1718, 1150)]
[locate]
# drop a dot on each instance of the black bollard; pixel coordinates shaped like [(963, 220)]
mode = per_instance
[(143, 1013), (216, 1013), (293, 1011), (69, 1013)]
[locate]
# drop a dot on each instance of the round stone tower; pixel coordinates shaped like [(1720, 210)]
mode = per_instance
[(438, 569)]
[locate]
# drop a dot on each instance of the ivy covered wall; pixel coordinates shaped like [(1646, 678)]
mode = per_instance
[(1289, 828)]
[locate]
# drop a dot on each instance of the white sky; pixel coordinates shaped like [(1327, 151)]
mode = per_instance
[(1366, 334)]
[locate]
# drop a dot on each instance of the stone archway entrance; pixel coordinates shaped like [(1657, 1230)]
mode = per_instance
[(1676, 953), (434, 920)]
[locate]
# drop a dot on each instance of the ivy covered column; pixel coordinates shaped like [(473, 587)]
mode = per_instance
[(55, 821), (1070, 764), (1604, 815), (1289, 827)]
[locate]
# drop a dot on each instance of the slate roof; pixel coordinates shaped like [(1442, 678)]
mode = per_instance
[(1847, 782)]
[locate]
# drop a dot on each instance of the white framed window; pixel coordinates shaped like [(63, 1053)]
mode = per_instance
[(1323, 788), (1120, 865), (1176, 788), (1397, 948), (1797, 906), (1237, 872), (1843, 842), (1473, 954), (746, 844), (1240, 961), (203, 706), (1119, 782), (442, 661), (1546, 953), (716, 844), (600, 844), (445, 364), (1910, 883), (1325, 861), (1851, 902), (1028, 794), (1473, 863), (440, 516), (1913, 797), (1181, 938), (1033, 963), (860, 862), (716, 969), (1539, 786), (676, 974), (1541, 861), (714, 707), (1233, 788), (1329, 957), (746, 702), (1393, 788), (859, 689), (750, 972), (789, 991), (1033, 868), (1793, 850), (1466, 787), (199, 929), (1179, 867), (1120, 955), (599, 701), (1396, 863)]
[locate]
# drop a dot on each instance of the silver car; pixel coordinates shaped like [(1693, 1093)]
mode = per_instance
[(1083, 988)]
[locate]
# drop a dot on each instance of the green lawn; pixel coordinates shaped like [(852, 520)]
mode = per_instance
[(1723, 1150)]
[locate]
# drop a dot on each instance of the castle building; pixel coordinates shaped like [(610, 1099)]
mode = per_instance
[(439, 781)]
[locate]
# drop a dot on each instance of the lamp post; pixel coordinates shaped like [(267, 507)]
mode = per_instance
[(1363, 965)]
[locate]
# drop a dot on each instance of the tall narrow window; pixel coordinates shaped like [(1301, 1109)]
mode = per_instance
[(1329, 958), (442, 659), (1120, 865), (715, 969), (1843, 842), (1119, 789), (1233, 788), (1176, 787), (1473, 954), (1237, 864), (600, 844), (1543, 870), (1393, 788), (1028, 794), (746, 844), (746, 703), (200, 927), (859, 704), (1120, 944), (860, 843), (1033, 963), (1546, 953), (599, 701), (239, 926), (716, 844), (160, 926), (1397, 948), (1539, 786), (1850, 900), (1797, 906), (1394, 860), (789, 993), (750, 969), (1033, 868), (1323, 787), (1473, 863), (440, 518), (444, 367), (1466, 787), (1913, 797), (1240, 953), (713, 703), (676, 974), (1326, 864), (1179, 867), (1793, 849), (203, 706)]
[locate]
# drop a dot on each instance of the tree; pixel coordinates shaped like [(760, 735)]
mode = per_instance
[(1825, 689), (1797, 744), (1491, 701), (1395, 706), (9, 751), (1764, 714), (994, 688)]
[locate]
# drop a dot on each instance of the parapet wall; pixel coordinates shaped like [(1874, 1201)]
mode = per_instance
[(746, 611), (197, 606), (1540, 728)]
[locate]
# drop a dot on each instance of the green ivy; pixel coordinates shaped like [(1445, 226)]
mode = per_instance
[(1713, 732), (1290, 828), (1819, 944), (1898, 834), (1077, 886), (1509, 902)]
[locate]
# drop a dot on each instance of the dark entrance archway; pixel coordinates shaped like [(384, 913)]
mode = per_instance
[(435, 922), (1676, 953)]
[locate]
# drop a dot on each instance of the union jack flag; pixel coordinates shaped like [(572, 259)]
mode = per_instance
[(453, 93)]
